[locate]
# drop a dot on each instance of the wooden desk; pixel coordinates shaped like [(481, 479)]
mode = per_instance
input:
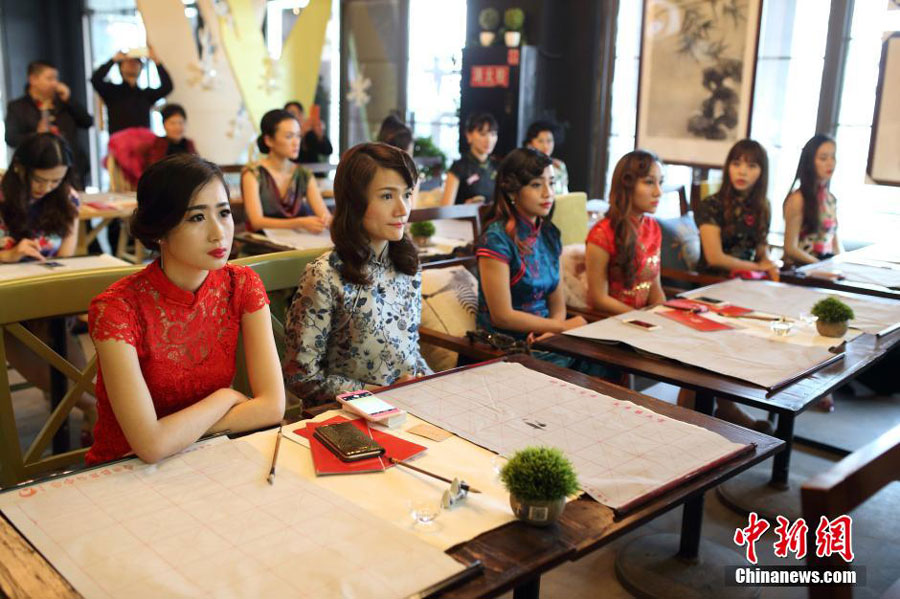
[(787, 402), (514, 555), (803, 276)]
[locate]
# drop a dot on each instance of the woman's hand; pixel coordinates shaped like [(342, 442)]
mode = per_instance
[(25, 248), (314, 224), (574, 323)]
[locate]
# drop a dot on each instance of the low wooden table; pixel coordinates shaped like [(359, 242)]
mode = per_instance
[(762, 495), (804, 276), (514, 555)]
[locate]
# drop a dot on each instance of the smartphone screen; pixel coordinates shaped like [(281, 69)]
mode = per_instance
[(52, 264), (371, 405), (708, 300)]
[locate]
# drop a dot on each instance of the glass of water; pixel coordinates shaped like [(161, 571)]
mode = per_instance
[(424, 512)]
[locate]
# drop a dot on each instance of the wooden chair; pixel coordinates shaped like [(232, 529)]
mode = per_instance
[(842, 488), (57, 295)]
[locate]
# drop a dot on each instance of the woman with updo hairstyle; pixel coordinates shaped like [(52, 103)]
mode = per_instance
[(166, 336), (623, 250), (518, 253), (810, 209), (354, 322), (277, 192)]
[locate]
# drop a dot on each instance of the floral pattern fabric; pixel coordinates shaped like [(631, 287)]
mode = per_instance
[(186, 342), (341, 336), (533, 275), (646, 257), (737, 230), (820, 243)]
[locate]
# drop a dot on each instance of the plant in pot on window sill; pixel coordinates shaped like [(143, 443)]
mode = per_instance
[(422, 232), (833, 316), (489, 19), (538, 480), (513, 20)]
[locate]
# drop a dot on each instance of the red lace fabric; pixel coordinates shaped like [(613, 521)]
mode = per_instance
[(646, 257), (185, 342)]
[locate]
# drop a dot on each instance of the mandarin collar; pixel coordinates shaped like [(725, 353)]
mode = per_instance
[(170, 290), (526, 227)]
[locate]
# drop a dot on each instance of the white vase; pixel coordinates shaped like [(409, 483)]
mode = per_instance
[(487, 38), (512, 38)]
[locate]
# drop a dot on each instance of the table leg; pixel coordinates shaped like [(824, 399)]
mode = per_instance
[(530, 589), (691, 525), (704, 402), (781, 464), (59, 383)]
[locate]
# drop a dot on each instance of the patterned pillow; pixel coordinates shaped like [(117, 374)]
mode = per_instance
[(449, 305), (680, 243), (574, 276)]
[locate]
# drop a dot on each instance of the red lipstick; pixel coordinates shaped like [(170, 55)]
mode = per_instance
[(218, 253)]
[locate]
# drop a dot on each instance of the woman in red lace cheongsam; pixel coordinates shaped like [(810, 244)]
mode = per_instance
[(166, 336)]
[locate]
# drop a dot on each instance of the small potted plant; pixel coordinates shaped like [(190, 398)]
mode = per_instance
[(538, 480), (833, 316), (422, 232), (489, 19), (513, 20)]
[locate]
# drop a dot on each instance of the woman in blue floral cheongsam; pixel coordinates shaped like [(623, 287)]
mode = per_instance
[(354, 322)]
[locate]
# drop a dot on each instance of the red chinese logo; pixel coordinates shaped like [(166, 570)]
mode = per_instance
[(748, 536), (832, 537)]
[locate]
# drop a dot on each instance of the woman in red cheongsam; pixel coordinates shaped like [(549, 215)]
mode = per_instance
[(622, 253), (166, 336)]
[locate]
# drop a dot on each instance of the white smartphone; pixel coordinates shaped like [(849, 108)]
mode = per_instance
[(641, 324)]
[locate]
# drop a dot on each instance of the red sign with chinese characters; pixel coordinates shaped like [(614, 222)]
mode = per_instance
[(491, 75)]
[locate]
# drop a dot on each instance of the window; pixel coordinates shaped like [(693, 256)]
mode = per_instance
[(867, 212), (433, 79)]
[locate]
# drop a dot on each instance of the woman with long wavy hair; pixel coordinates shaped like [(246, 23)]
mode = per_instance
[(810, 209), (38, 208), (354, 322), (622, 250)]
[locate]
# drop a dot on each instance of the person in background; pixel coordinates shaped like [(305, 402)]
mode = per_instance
[(354, 322), (734, 222), (623, 250), (128, 105), (314, 145), (541, 137), (166, 336), (394, 132), (518, 255), (471, 178), (810, 210), (173, 142), (39, 220), (48, 106), (279, 193)]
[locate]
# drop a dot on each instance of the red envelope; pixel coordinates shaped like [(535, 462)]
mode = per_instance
[(730, 310), (695, 321), (680, 303), (326, 462)]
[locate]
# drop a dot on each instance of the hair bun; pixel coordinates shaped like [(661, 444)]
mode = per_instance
[(261, 144)]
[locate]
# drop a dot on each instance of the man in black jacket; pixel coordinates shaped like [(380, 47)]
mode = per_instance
[(128, 105), (48, 105)]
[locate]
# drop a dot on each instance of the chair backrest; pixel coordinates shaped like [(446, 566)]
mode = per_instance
[(843, 487), (58, 295), (570, 217), (117, 180)]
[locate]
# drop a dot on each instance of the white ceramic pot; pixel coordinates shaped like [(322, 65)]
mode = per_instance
[(487, 38), (512, 38)]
